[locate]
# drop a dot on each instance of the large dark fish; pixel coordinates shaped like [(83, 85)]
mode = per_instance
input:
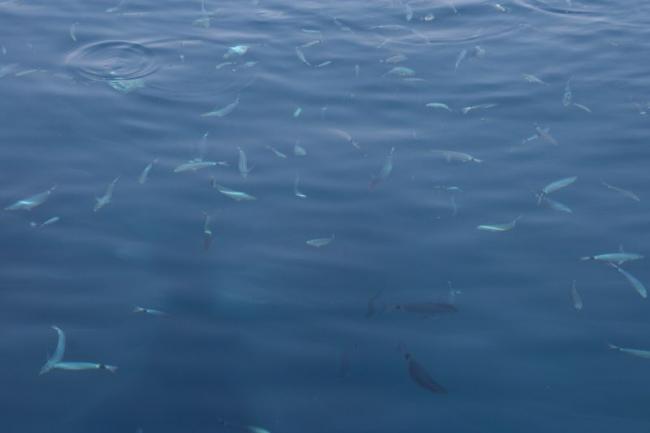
[(421, 377), (427, 308)]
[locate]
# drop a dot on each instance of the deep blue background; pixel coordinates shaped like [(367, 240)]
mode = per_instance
[(265, 330)]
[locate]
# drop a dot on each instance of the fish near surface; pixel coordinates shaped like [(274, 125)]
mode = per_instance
[(634, 352), (385, 171), (320, 242), (500, 227), (31, 202), (453, 156), (420, 376), (102, 201)]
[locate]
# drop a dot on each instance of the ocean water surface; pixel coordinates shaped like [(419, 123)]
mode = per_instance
[(339, 216)]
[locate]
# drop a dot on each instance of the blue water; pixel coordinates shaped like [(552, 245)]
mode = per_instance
[(265, 330)]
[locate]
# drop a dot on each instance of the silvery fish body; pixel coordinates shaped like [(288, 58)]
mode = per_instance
[(244, 170), (224, 111), (623, 192), (31, 202), (57, 356), (194, 165), (555, 205), (499, 227), (150, 311), (618, 258), (634, 352), (634, 282), (102, 201), (453, 156), (82, 365), (420, 376), (145, 173), (320, 242), (559, 184), (576, 298), (438, 105), (235, 195), (237, 50)]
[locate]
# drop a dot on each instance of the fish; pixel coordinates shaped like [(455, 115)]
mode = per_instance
[(544, 134), (73, 32), (500, 7), (427, 308), (634, 352), (618, 258), (31, 202), (311, 43), (230, 193), (500, 227), (567, 98), (634, 282), (253, 429), (202, 22), (429, 17), (223, 111), (323, 64), (57, 356), (371, 304), (469, 108), (223, 64), (127, 86), (478, 51), (533, 79), (401, 71), (452, 156), (385, 170), (298, 150), (244, 170), (582, 107), (76, 366), (276, 152), (320, 242), (461, 56), (623, 192), (297, 112), (194, 165), (555, 186), (150, 311), (28, 72), (575, 297), (145, 173), (440, 105), (420, 376), (397, 58), (45, 223), (345, 136), (237, 50), (102, 201), (408, 12), (301, 56), (556, 205), (296, 192), (207, 232)]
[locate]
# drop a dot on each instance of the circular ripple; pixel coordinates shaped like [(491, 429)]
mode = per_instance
[(113, 60)]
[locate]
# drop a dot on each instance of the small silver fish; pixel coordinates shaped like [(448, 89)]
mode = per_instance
[(500, 7), (325, 63), (397, 58), (582, 107), (57, 356), (345, 136), (244, 170), (544, 133), (73, 32), (223, 111), (207, 232), (439, 105), (320, 242), (297, 112), (469, 108), (223, 64), (623, 192), (533, 79), (31, 202), (634, 352), (618, 258), (385, 171), (311, 43), (194, 165), (231, 193), (500, 227), (77, 366), (401, 71), (45, 223), (634, 282), (575, 297), (298, 150), (453, 156), (145, 173), (296, 192), (557, 185), (301, 56), (461, 56), (150, 311), (127, 86), (556, 205), (102, 201), (276, 152)]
